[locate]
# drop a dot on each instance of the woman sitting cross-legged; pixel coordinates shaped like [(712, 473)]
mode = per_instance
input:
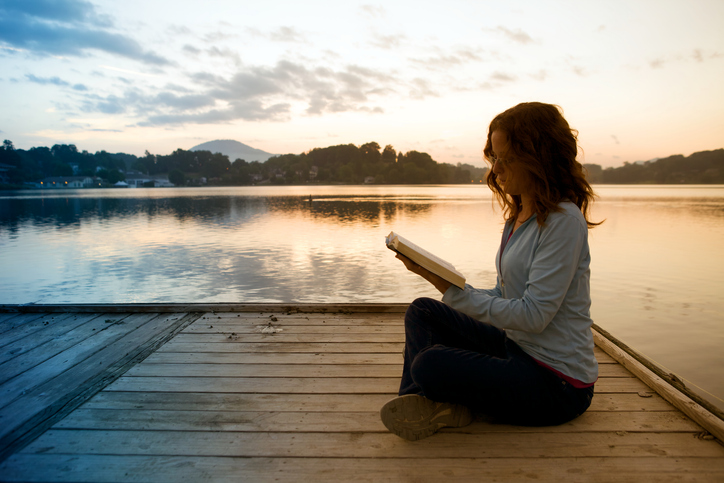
[(521, 352)]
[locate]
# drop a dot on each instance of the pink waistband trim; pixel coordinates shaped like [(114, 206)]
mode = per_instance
[(573, 382)]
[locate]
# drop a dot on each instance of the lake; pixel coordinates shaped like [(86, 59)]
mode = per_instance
[(657, 261)]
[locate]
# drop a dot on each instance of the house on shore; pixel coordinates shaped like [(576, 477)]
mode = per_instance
[(70, 182), (4, 172), (140, 180)]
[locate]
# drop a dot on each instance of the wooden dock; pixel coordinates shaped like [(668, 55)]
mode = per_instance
[(169, 393)]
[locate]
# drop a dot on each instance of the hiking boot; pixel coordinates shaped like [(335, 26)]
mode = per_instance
[(413, 417)]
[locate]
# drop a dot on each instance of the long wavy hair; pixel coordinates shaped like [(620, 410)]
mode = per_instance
[(540, 139)]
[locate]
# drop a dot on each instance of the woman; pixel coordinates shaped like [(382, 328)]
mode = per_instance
[(521, 352)]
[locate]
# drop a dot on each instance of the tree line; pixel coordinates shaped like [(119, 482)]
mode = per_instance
[(347, 164), (341, 164), (704, 167)]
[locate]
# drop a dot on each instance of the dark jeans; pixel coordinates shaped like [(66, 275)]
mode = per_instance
[(450, 357)]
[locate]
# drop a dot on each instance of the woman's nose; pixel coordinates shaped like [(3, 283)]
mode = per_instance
[(498, 167)]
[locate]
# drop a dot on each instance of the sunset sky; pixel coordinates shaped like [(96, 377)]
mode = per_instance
[(639, 79)]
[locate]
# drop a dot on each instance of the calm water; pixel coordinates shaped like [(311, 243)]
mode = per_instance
[(657, 270)]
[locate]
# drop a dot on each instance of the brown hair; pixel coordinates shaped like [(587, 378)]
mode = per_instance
[(540, 139)]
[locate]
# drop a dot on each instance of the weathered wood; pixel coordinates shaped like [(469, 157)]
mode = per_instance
[(296, 329), (371, 445), (275, 346), (172, 469), (310, 385), (341, 320), (301, 318), (29, 352), (210, 401), (303, 421), (273, 358), (215, 307), (266, 370), (40, 407), (705, 418), (274, 369), (25, 329), (287, 338), (40, 373), (238, 346), (295, 358), (303, 405), (49, 333), (11, 320)]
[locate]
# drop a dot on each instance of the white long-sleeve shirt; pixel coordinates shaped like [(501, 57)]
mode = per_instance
[(542, 297)]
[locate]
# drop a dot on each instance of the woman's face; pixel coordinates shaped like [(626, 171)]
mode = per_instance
[(511, 176)]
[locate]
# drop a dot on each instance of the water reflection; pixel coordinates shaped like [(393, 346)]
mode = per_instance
[(657, 269), (64, 212)]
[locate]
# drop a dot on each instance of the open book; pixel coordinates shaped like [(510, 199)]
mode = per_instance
[(425, 259)]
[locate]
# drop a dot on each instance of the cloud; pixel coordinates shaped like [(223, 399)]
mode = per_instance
[(502, 77), (190, 49), (541, 75), (47, 80), (657, 63), (517, 36), (287, 34), (57, 81), (70, 28), (256, 94), (580, 71), (218, 36), (696, 55), (69, 11), (444, 61), (615, 139), (282, 34), (421, 89), (386, 41), (224, 54), (374, 11)]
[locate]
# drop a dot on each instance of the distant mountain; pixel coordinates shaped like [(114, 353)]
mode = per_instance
[(234, 150)]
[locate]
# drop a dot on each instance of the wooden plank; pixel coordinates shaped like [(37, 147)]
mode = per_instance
[(286, 338), (22, 330), (703, 417), (210, 308), (253, 328), (43, 345), (265, 370), (11, 320), (44, 371), (275, 346), (314, 402), (49, 333), (309, 385), (335, 422), (4, 317), (148, 369), (261, 347), (248, 402), (290, 358), (279, 385), (272, 358), (172, 469), (373, 320), (371, 445), (39, 408)]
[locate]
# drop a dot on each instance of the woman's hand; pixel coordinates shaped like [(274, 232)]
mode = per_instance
[(438, 282)]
